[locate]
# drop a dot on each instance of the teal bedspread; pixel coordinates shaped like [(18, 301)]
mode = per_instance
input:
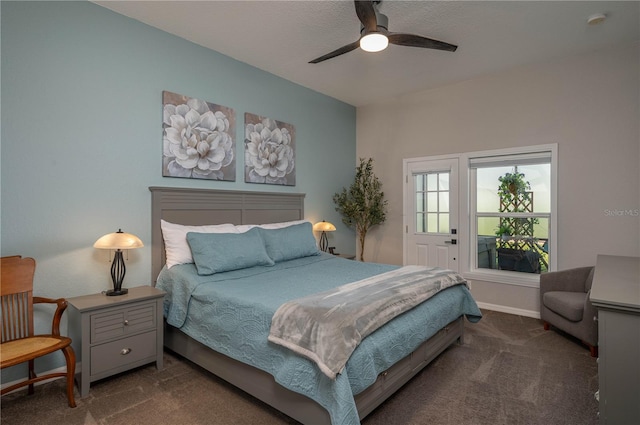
[(231, 313)]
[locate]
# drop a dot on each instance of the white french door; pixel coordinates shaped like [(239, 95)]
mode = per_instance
[(431, 213)]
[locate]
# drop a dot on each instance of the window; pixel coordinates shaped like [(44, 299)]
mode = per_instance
[(432, 202), (512, 219)]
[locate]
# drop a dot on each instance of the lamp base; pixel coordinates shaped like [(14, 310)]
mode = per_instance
[(324, 242), (117, 275)]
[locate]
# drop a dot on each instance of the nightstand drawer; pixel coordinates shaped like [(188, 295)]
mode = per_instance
[(122, 322), (122, 352)]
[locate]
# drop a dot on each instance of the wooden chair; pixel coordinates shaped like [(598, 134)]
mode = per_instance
[(19, 344)]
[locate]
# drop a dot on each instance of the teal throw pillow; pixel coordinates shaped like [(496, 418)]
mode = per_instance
[(221, 252), (290, 242)]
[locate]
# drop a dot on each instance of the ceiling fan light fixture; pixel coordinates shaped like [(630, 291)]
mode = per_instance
[(374, 42), (375, 35)]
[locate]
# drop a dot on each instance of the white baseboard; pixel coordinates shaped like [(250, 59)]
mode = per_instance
[(61, 369), (509, 310)]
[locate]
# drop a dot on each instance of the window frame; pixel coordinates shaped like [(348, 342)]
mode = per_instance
[(468, 204)]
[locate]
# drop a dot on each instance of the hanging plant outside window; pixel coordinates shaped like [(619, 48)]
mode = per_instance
[(513, 185)]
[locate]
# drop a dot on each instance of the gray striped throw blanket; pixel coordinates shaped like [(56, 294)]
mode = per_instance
[(328, 326)]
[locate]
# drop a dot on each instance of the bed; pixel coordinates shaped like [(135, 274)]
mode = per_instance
[(291, 383)]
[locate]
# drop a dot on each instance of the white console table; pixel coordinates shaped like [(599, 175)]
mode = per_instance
[(616, 295)]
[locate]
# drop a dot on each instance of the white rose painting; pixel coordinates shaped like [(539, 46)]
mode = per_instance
[(198, 139), (269, 151)]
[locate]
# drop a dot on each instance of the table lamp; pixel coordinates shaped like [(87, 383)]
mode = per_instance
[(324, 226), (118, 241)]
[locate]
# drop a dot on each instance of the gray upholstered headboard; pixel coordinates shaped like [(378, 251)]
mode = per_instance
[(204, 206)]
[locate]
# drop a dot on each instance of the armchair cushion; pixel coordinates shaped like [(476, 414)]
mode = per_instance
[(569, 305)]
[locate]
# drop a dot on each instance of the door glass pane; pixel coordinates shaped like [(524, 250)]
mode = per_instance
[(443, 205), (420, 224), (443, 180), (420, 206), (432, 197), (432, 182), (443, 226), (419, 182), (432, 223), (432, 201)]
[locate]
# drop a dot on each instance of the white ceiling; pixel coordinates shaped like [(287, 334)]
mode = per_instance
[(281, 37)]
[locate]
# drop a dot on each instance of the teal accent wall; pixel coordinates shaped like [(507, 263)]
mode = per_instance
[(82, 138)]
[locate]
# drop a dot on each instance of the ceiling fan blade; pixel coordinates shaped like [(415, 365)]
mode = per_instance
[(367, 15), (413, 40), (338, 52)]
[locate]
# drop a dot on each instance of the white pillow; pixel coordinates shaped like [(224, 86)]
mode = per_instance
[(176, 246), (243, 228), (246, 227)]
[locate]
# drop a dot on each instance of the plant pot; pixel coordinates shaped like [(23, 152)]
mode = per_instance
[(518, 260)]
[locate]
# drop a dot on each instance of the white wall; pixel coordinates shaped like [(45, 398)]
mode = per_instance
[(588, 105)]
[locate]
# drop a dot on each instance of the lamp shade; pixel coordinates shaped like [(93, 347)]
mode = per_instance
[(118, 240), (324, 226)]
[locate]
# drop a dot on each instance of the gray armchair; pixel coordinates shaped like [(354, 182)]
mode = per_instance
[(565, 304)]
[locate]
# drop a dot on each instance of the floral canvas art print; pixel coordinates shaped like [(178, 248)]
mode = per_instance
[(198, 139), (269, 153)]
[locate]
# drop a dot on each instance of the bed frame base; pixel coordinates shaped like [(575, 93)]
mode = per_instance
[(262, 385), (204, 206)]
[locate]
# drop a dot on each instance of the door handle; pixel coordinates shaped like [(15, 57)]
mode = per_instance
[(452, 241)]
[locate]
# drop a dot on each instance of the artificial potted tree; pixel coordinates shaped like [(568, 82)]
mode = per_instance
[(362, 206)]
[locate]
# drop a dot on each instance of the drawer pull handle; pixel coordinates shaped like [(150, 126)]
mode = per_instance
[(125, 351), (126, 323)]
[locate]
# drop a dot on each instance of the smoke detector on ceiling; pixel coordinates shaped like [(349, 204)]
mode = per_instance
[(596, 19)]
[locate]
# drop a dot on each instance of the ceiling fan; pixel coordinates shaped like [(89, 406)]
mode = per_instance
[(375, 35)]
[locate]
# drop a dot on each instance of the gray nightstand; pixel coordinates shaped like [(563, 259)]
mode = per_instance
[(347, 256), (116, 333)]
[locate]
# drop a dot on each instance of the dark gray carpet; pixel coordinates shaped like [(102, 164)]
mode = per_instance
[(508, 371)]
